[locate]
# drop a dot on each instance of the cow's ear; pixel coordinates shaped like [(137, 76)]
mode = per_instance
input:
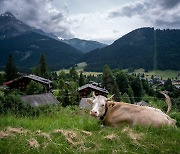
[(109, 104), (89, 100)]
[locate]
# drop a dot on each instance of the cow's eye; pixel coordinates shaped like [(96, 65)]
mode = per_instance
[(102, 105)]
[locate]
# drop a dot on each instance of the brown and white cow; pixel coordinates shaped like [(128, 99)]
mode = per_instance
[(115, 113)]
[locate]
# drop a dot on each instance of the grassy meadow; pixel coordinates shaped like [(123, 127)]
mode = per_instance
[(80, 68), (70, 130), (164, 74)]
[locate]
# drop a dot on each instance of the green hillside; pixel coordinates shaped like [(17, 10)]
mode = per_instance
[(27, 47), (145, 48)]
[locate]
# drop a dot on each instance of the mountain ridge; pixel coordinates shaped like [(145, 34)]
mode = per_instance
[(145, 47), (26, 45), (84, 45), (10, 26), (137, 50)]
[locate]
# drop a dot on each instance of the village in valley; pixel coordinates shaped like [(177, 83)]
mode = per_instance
[(74, 87)]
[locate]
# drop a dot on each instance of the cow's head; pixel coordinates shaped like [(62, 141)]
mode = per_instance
[(99, 105)]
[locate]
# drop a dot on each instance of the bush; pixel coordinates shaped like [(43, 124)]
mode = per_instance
[(176, 116), (12, 103), (35, 88), (176, 103)]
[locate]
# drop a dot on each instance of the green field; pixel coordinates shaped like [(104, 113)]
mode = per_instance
[(71, 130), (164, 74), (79, 69)]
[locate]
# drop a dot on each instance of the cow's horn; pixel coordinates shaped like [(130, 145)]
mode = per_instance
[(93, 94), (111, 97)]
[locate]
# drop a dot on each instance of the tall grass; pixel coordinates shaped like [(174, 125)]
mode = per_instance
[(95, 139)]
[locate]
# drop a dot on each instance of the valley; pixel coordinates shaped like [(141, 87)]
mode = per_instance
[(93, 77)]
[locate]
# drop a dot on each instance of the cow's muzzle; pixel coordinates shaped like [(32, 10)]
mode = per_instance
[(93, 113)]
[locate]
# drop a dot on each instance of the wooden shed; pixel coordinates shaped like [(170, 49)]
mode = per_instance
[(40, 99), (85, 90), (22, 82)]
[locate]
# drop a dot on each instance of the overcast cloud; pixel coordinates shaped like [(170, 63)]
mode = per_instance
[(161, 13), (40, 14), (101, 20)]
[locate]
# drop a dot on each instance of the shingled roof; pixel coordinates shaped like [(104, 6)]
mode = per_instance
[(39, 79), (22, 82), (93, 87), (40, 99), (32, 77)]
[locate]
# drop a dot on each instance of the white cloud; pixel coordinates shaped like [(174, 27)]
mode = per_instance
[(161, 13), (106, 26), (104, 21), (40, 14)]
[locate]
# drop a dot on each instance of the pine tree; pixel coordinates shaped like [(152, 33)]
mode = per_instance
[(73, 93), (11, 71), (125, 98), (116, 92), (137, 89), (73, 74), (131, 94), (2, 78), (107, 78), (81, 80), (168, 85), (62, 75), (122, 81), (61, 84), (146, 86), (42, 68)]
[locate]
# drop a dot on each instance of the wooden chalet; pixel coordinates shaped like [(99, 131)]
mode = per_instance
[(22, 82), (85, 90), (176, 84)]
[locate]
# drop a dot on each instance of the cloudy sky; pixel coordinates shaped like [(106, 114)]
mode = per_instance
[(100, 20)]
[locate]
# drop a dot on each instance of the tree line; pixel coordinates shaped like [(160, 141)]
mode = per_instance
[(125, 87)]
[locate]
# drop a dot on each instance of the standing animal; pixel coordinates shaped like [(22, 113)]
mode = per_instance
[(115, 113)]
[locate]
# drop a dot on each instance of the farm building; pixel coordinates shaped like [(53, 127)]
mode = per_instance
[(22, 82), (84, 104), (40, 99), (85, 90), (176, 84)]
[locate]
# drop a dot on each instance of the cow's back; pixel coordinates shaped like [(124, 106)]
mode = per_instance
[(133, 115)]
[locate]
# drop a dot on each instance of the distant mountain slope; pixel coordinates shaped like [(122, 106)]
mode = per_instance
[(26, 44), (27, 47), (142, 48), (84, 45)]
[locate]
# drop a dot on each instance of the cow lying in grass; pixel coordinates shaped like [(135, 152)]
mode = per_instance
[(115, 113)]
